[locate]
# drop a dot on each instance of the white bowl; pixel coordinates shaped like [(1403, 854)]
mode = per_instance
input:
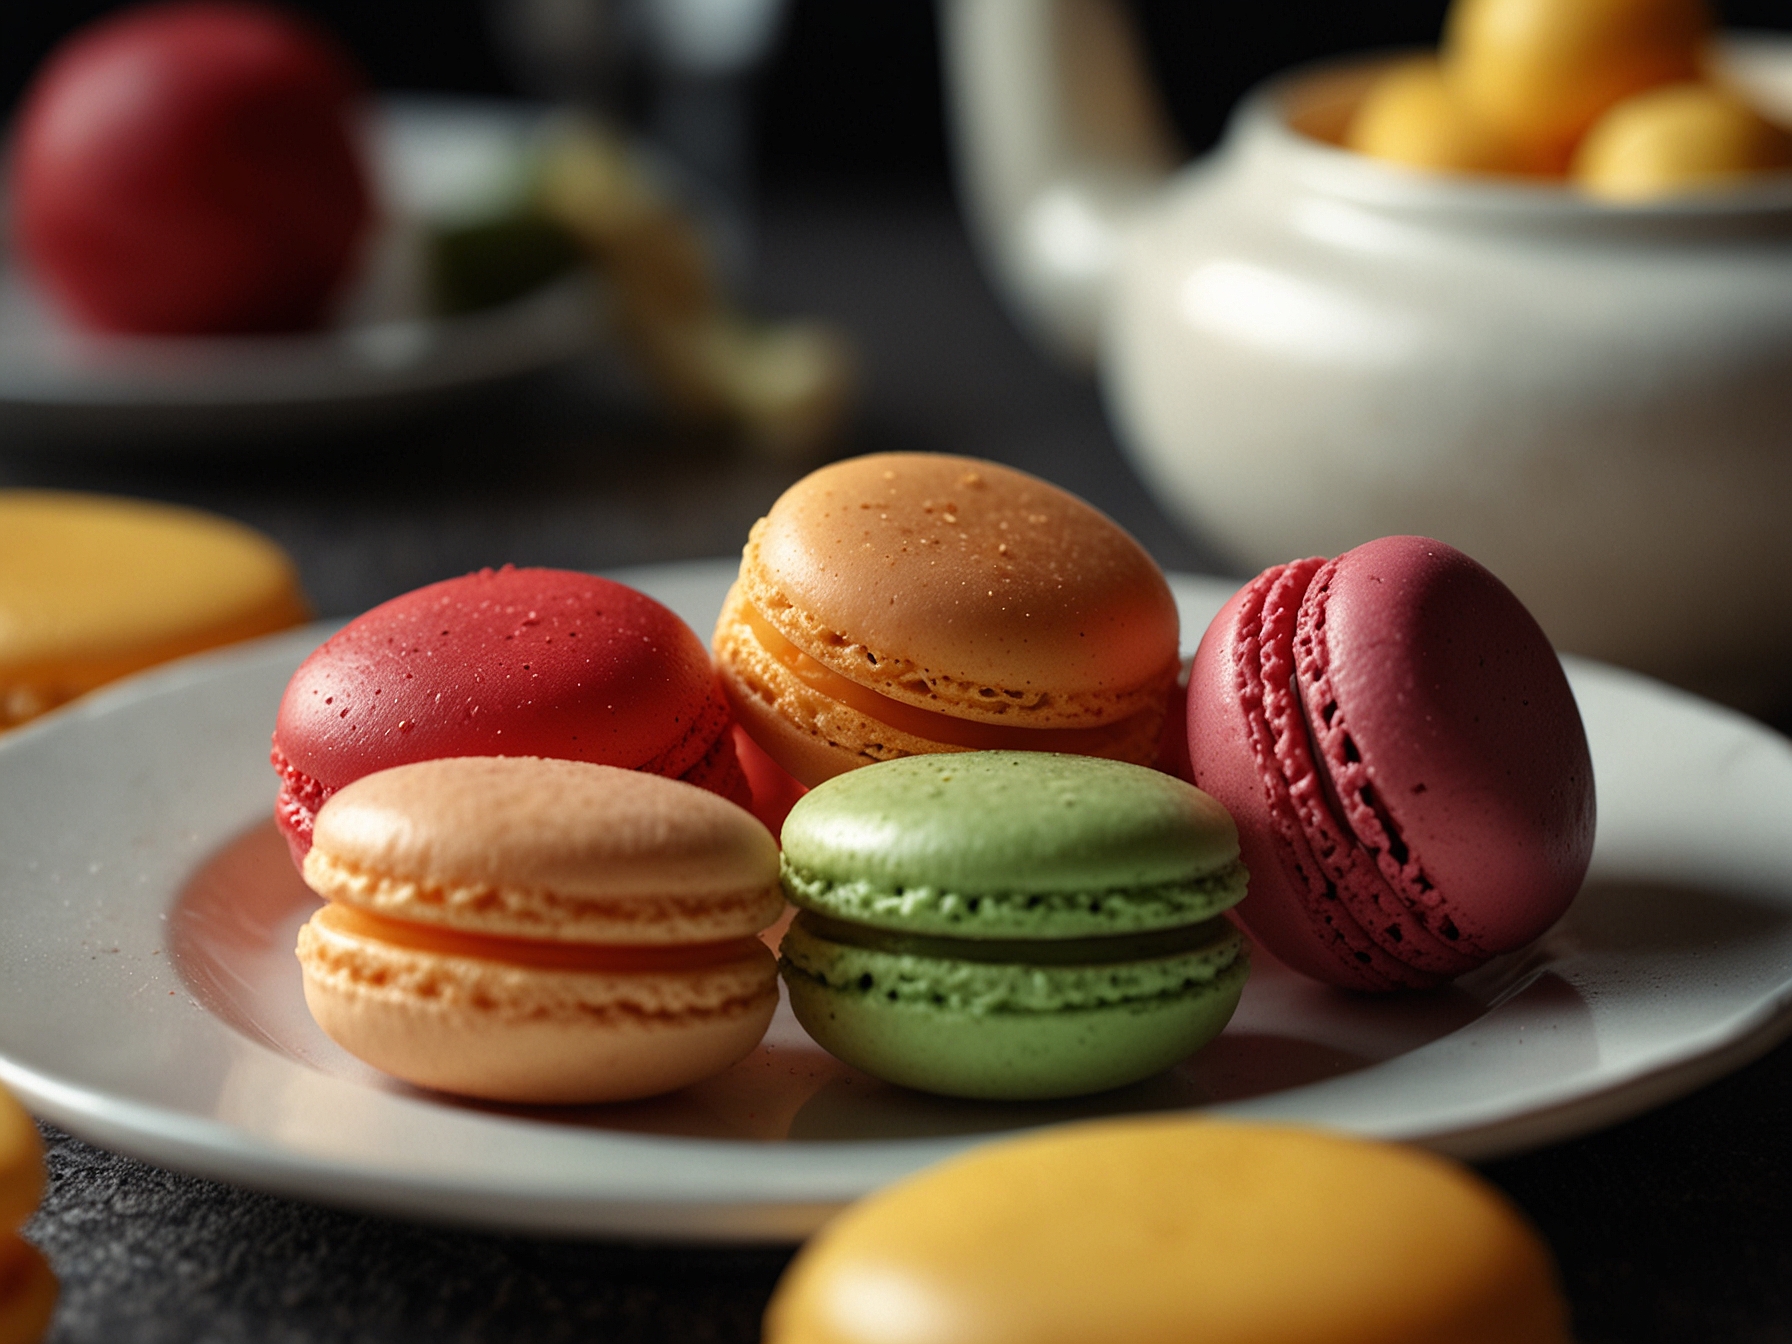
[(1305, 348)]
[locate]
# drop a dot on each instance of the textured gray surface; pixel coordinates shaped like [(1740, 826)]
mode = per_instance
[(152, 1257)]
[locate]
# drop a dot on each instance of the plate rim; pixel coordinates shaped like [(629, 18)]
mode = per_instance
[(219, 1149)]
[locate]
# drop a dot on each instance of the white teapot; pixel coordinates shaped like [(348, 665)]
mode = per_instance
[(1303, 348)]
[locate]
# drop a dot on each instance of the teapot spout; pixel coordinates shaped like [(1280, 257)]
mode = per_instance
[(1059, 139)]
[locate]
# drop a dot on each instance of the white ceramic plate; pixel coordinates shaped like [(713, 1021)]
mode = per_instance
[(432, 158), (149, 1000)]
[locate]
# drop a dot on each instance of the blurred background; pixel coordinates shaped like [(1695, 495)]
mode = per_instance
[(850, 95), (831, 154)]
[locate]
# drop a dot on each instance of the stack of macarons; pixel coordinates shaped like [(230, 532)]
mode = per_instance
[(27, 1284), (972, 669), (1149, 1231), (532, 930), (93, 588)]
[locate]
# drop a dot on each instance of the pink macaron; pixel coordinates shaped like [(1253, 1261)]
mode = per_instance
[(507, 662), (1402, 753)]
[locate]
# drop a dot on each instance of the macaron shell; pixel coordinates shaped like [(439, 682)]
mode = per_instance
[(510, 662), (549, 849), (1291, 907), (1166, 1231), (28, 1292), (21, 1164), (1010, 824), (965, 586), (1455, 745), (1015, 1057), (1009, 1032), (93, 588), (516, 1033)]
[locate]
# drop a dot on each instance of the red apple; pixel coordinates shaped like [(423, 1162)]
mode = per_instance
[(192, 167)]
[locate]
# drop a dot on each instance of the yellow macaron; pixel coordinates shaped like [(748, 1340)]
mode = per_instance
[(543, 931), (1411, 115), (93, 588), (1166, 1231), (1677, 139), (1541, 72), (27, 1284), (905, 603)]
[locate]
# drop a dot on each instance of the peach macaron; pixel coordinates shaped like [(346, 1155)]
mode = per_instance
[(540, 931), (905, 603)]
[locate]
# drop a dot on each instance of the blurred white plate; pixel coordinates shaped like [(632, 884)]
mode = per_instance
[(432, 158), (149, 1000)]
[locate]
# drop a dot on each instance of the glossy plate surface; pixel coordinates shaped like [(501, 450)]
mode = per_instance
[(149, 1000)]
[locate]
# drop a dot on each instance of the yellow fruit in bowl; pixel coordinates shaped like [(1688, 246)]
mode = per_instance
[(1543, 71), (1412, 115), (1681, 138)]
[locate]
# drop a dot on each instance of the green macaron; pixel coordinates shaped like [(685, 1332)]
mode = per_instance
[(1011, 924)]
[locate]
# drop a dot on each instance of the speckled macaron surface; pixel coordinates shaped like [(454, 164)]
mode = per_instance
[(1011, 924), (906, 602), (504, 662), (1171, 1231), (94, 587)]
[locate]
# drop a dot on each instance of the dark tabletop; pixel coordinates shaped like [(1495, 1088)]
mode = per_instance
[(1675, 1226)]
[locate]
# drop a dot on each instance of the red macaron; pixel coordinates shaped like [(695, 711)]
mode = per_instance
[(508, 662), (1404, 758), (193, 167)]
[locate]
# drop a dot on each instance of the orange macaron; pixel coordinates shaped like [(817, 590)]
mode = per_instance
[(540, 931), (905, 603)]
